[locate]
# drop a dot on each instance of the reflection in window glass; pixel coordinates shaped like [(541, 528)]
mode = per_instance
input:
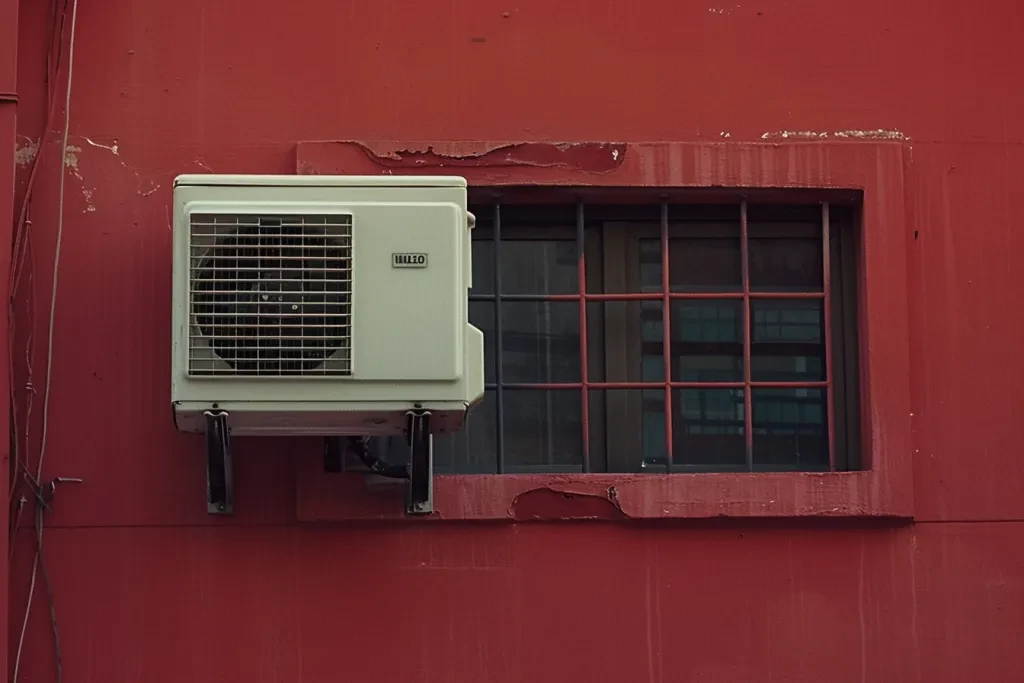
[(483, 267), (785, 257), (707, 340), (652, 358), (696, 263), (540, 342), (481, 316), (538, 267), (654, 444), (708, 428), (790, 429), (787, 343), (472, 449), (543, 430)]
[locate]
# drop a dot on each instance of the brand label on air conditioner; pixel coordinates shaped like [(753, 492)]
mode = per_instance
[(408, 260)]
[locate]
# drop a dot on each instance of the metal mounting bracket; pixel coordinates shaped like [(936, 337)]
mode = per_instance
[(421, 463), (220, 488)]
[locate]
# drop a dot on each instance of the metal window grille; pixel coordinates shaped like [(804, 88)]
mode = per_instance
[(753, 407)]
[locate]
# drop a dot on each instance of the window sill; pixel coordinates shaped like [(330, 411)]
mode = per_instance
[(488, 497), (875, 168)]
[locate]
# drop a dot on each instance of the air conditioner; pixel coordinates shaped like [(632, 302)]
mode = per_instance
[(322, 305)]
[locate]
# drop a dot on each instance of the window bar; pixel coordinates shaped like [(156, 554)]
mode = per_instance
[(748, 397), (581, 265), (565, 386), (827, 289), (666, 327), (499, 404), (650, 296)]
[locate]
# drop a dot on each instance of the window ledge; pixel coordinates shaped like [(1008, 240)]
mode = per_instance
[(489, 497)]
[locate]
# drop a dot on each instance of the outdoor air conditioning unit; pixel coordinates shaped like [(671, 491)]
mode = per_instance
[(322, 305)]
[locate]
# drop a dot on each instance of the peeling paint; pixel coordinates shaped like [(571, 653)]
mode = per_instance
[(723, 134), (879, 134), (25, 154), (550, 502), (89, 207), (72, 157), (591, 157), (71, 153), (798, 134), (871, 134), (112, 147)]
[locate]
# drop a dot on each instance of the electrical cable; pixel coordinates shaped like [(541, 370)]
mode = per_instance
[(40, 502), (361, 447), (22, 247)]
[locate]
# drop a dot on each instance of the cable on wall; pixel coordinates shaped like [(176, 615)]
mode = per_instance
[(20, 254), (42, 500)]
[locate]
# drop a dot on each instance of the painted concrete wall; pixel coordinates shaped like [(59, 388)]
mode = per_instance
[(148, 588)]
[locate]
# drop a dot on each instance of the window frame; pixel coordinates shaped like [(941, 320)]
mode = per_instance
[(881, 489), (613, 320)]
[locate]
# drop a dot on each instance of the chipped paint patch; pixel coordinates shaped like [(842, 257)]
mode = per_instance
[(794, 134), (879, 134), (71, 153), (145, 187), (153, 188), (723, 134), (591, 157), (111, 147), (26, 154), (564, 503), (89, 207), (871, 134)]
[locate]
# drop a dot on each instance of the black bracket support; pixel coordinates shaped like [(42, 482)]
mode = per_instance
[(421, 463), (220, 488)]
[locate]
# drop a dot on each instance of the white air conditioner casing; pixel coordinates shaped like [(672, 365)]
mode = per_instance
[(326, 305)]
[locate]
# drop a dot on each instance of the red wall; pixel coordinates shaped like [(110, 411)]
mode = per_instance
[(149, 588)]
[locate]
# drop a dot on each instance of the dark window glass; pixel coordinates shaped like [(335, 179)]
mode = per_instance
[(481, 316), (708, 428), (540, 342), (787, 341), (538, 267), (483, 267), (785, 257), (470, 450), (702, 258), (543, 430), (707, 340), (790, 429), (652, 340)]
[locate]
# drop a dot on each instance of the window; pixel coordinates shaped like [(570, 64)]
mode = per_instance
[(868, 349), (675, 336)]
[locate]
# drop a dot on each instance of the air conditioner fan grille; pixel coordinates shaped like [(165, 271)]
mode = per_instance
[(270, 295)]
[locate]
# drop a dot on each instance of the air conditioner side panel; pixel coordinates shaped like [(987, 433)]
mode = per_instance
[(179, 299), (409, 320)]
